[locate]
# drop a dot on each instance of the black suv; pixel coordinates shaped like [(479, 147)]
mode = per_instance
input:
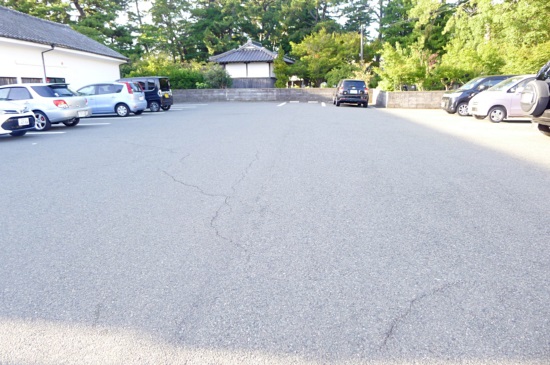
[(457, 100), (535, 99), (351, 92), (157, 91)]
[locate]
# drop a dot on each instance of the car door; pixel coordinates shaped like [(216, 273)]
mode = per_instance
[(515, 98), (105, 98), (89, 93)]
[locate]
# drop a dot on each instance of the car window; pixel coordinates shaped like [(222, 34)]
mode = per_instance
[(19, 93), (4, 93), (469, 85), (490, 82), (354, 84), (134, 86), (164, 84), (151, 84), (87, 90), (52, 91), (521, 84), (142, 85)]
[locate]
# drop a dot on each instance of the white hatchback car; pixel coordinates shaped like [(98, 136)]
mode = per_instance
[(115, 97), (51, 103), (501, 101), (15, 119)]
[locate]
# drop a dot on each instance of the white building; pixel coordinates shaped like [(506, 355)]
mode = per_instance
[(250, 66), (34, 49)]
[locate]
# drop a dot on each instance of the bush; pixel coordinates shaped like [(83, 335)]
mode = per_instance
[(216, 77)]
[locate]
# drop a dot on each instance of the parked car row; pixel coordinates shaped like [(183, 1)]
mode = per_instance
[(54, 103), (504, 96)]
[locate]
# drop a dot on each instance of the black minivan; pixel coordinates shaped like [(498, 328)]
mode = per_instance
[(457, 100), (157, 91)]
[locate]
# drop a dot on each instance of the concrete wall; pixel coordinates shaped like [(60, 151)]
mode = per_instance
[(382, 99)]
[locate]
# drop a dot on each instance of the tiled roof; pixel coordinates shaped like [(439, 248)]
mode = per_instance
[(16, 25), (250, 52)]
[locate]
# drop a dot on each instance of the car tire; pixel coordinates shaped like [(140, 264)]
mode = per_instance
[(497, 114), (42, 123), (138, 112), (122, 110), (71, 123), (365, 105), (337, 103), (534, 97), (154, 106), (166, 107), (544, 129), (462, 109), (18, 133)]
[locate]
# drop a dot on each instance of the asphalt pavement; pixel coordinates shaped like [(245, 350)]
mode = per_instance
[(276, 233)]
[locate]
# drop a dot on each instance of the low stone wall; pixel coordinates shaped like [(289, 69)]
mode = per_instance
[(382, 99)]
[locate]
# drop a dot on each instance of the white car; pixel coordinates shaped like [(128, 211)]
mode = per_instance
[(51, 103), (501, 101), (14, 119)]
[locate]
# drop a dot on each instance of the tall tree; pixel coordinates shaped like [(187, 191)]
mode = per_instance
[(54, 10)]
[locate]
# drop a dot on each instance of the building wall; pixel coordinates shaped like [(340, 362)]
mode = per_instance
[(24, 60), (253, 69)]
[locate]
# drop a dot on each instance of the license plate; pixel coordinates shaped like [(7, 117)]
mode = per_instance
[(166, 96), (82, 114), (353, 91), (24, 121)]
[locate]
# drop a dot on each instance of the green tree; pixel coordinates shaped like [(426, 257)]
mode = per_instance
[(53, 10), (216, 77), (281, 70), (321, 52)]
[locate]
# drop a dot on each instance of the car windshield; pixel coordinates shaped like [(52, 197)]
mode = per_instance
[(470, 84), (52, 91), (506, 84)]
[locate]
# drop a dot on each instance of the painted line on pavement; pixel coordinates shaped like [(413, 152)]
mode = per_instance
[(323, 104), (39, 133), (282, 104), (92, 124)]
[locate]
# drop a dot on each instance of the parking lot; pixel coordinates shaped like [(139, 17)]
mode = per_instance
[(276, 233)]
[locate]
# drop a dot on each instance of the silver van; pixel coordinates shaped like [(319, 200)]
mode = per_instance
[(121, 98)]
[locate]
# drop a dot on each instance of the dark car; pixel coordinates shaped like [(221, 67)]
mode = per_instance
[(158, 92), (535, 99), (351, 92), (454, 101)]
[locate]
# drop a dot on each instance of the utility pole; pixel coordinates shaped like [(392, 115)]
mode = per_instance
[(361, 53)]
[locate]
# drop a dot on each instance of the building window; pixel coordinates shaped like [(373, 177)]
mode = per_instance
[(8, 80), (29, 80)]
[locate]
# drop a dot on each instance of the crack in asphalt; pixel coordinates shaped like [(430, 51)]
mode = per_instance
[(403, 316), (226, 200)]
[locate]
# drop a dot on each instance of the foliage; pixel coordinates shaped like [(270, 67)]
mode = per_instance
[(281, 70), (321, 52), (216, 77), (182, 76)]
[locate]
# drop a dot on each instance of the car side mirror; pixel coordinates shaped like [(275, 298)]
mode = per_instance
[(482, 87)]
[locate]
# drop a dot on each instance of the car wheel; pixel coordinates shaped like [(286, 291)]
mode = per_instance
[(544, 129), (365, 105), (534, 97), (480, 117), (166, 107), (72, 122), (462, 109), (138, 112), (497, 114), (122, 110), (154, 106), (42, 123), (337, 103), (18, 133)]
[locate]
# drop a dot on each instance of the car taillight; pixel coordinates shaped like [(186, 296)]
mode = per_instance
[(61, 104), (130, 91)]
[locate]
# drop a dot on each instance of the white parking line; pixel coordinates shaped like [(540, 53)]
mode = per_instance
[(323, 104), (117, 118), (282, 104), (94, 124), (313, 102), (41, 133), (294, 102)]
